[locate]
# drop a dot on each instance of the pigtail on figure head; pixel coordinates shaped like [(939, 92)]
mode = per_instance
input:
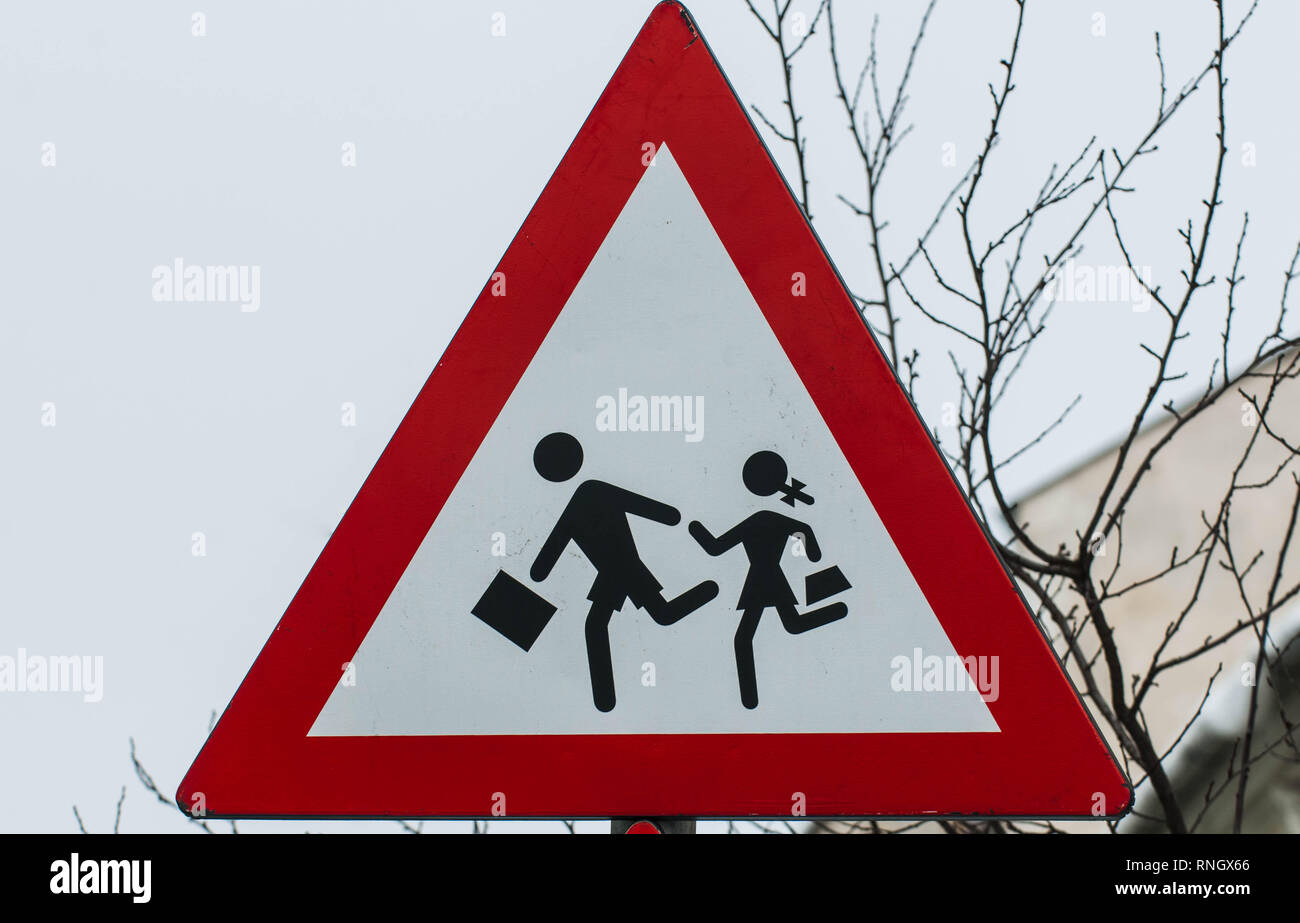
[(765, 474)]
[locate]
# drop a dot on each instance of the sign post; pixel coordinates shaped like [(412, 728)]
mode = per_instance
[(669, 825)]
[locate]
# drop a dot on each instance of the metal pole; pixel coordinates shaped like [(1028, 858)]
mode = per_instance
[(658, 824)]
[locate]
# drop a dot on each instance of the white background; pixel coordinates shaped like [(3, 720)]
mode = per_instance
[(661, 310)]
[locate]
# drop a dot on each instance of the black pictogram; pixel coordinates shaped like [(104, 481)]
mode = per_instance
[(595, 520), (764, 536)]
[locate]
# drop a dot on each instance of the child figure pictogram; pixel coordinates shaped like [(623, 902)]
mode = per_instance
[(764, 536), (595, 520)]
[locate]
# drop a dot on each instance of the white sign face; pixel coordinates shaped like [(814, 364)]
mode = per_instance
[(663, 369)]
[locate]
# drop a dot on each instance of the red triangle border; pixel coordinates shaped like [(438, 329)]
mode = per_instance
[(1048, 759)]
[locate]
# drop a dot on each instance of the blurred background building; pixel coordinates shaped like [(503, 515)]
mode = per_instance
[(1188, 482)]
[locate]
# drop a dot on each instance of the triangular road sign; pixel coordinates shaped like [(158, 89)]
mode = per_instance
[(660, 535)]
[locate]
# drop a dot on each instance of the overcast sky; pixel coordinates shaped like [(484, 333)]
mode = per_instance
[(130, 142)]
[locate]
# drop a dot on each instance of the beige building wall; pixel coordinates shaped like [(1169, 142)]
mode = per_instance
[(1187, 484), (1189, 480)]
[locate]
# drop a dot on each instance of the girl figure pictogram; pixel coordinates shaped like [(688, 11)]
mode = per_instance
[(764, 536)]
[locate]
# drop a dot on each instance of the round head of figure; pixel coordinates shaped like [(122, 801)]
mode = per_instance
[(557, 457), (764, 473)]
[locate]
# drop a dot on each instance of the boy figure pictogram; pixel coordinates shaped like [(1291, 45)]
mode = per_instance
[(764, 536), (595, 520)]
